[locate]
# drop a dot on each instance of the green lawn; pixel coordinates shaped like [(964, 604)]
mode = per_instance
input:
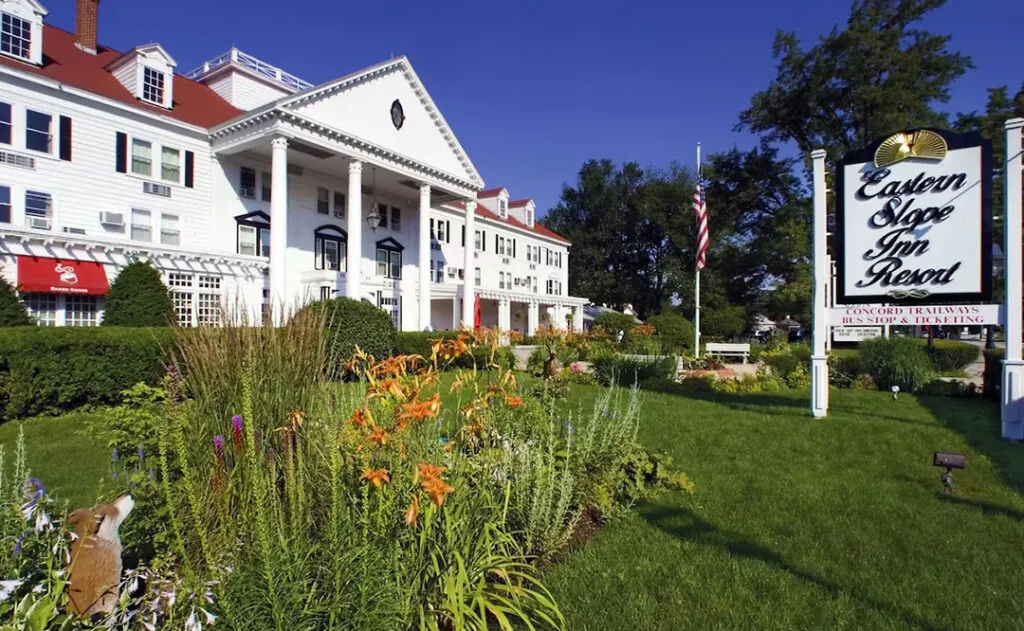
[(69, 462), (812, 524), (796, 524)]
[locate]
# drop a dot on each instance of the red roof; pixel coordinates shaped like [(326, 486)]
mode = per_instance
[(517, 203), (491, 192), (194, 103), (484, 212)]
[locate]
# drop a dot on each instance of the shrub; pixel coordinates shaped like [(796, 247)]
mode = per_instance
[(642, 345), (47, 369), (943, 388), (789, 363), (993, 377), (863, 382), (138, 297), (674, 331), (623, 371), (418, 342), (12, 312), (350, 323), (898, 361), (612, 323), (949, 356)]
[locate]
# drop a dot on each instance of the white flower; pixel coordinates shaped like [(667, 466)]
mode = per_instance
[(28, 509), (42, 521), (38, 589), (210, 618), (8, 587), (193, 624), (171, 597)]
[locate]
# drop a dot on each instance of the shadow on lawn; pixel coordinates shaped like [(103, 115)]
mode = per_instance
[(987, 508), (683, 523), (734, 400), (978, 421)]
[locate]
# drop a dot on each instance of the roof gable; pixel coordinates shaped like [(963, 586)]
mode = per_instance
[(362, 104), (13, 6), (149, 52)]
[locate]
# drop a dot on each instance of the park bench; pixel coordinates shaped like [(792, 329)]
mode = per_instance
[(728, 350)]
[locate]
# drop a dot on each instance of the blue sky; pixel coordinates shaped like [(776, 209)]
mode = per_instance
[(532, 89)]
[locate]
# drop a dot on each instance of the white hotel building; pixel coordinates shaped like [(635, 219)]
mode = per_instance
[(245, 185)]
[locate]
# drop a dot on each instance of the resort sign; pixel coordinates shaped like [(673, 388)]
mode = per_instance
[(914, 220)]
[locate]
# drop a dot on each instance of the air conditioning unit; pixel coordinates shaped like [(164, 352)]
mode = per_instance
[(72, 230), (505, 260), (108, 218), (156, 189), (533, 266), (247, 192), (39, 223), (18, 160), (451, 271)]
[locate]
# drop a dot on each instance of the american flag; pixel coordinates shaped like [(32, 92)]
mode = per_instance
[(700, 209)]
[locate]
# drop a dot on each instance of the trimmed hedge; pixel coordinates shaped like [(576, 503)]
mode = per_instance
[(898, 361), (47, 369), (139, 298), (629, 371), (949, 355), (349, 323), (615, 322), (675, 331), (12, 312)]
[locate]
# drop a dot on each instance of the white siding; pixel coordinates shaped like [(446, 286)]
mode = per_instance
[(243, 90), (364, 110), (90, 184), (128, 75)]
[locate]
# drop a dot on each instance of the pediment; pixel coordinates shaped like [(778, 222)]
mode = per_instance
[(28, 9), (388, 106)]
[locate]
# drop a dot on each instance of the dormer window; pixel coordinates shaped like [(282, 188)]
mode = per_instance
[(152, 86), (15, 36), (503, 207), (529, 217)]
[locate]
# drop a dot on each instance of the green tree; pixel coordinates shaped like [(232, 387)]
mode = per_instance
[(880, 74), (12, 312), (138, 297)]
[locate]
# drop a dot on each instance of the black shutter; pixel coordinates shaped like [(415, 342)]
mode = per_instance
[(513, 248), (190, 169), (431, 228), (496, 251), (463, 236), (122, 152), (65, 138), (483, 240), (447, 231)]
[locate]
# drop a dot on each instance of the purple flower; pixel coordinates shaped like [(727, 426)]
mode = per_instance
[(218, 446), (236, 430), (114, 455), (142, 454)]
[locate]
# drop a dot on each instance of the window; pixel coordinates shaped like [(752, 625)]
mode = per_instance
[(396, 219), (323, 201), (42, 308), (247, 183), (476, 277), (15, 36), (477, 240), (81, 310), (326, 292), (501, 280), (554, 287), (534, 284), (5, 204), (38, 131), (142, 157), (5, 123), (330, 248), (389, 263), (437, 271), (181, 295), (253, 234), (266, 180), (393, 306), (442, 231), (339, 205), (142, 225), (208, 301), (529, 217), (38, 206), (152, 86), (170, 232), (170, 164), (503, 208), (500, 246)]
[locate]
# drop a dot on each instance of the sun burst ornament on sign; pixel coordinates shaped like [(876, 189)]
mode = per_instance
[(923, 144)]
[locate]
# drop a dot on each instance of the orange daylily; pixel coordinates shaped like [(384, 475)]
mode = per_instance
[(375, 476), (379, 436), (295, 418), (421, 410), (436, 488), (361, 417), (514, 401), (475, 429), (413, 511), (427, 471)]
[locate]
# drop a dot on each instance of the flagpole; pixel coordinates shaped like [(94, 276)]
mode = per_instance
[(696, 287)]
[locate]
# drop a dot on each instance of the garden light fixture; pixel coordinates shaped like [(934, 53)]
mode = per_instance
[(895, 391), (950, 461)]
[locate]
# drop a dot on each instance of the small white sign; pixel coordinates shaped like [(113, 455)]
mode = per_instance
[(855, 333), (939, 315)]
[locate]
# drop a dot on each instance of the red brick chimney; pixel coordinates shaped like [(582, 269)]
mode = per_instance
[(85, 31)]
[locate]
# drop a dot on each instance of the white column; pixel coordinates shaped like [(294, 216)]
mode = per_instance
[(455, 313), (468, 265), (1012, 390), (819, 358), (577, 318), (424, 276), (354, 222), (504, 314), (279, 297), (532, 317)]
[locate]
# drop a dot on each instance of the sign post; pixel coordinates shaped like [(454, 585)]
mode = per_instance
[(819, 333), (1012, 388), (913, 246)]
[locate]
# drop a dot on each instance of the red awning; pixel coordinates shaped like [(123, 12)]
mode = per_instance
[(61, 276), (476, 313)]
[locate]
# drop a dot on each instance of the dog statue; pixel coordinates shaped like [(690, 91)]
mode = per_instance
[(551, 367), (94, 575)]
